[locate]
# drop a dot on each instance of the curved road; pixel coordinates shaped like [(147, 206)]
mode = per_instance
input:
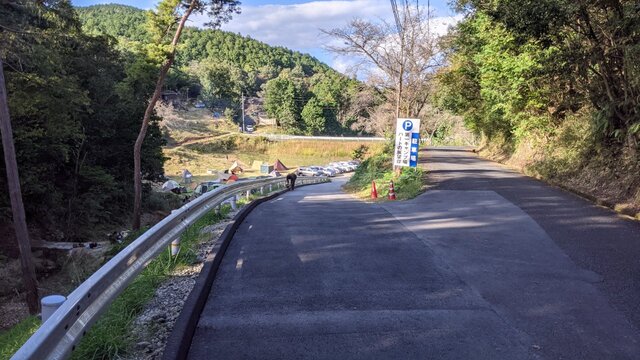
[(487, 264)]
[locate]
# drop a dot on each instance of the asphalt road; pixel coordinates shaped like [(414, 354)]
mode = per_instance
[(486, 265)]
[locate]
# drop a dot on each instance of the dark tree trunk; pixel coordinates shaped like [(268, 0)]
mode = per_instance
[(137, 150), (17, 207)]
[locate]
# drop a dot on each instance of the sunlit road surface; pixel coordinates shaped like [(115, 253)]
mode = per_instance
[(486, 265)]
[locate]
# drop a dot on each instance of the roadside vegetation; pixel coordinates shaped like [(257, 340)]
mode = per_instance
[(12, 339), (552, 88), (304, 95), (379, 168), (75, 107), (111, 335)]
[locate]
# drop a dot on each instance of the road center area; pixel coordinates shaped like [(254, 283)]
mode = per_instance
[(452, 274), (319, 274)]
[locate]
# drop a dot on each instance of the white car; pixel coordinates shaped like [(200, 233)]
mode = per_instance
[(339, 167), (324, 171), (303, 171), (345, 165), (334, 169)]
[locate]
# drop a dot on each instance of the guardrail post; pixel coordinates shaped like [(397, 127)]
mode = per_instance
[(50, 304), (248, 194), (175, 247), (115, 274), (270, 188), (261, 190)]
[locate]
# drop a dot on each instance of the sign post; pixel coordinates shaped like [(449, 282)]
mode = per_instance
[(407, 140)]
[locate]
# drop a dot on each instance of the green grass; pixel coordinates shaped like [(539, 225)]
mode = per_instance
[(379, 169), (12, 339), (111, 335)]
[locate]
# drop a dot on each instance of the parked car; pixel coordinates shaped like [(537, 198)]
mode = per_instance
[(348, 166), (322, 170), (249, 128), (338, 166), (343, 166), (304, 171), (205, 187)]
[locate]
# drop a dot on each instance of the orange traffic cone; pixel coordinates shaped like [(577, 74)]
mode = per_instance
[(392, 191), (374, 191)]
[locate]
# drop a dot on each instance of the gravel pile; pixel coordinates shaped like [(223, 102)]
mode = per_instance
[(152, 328)]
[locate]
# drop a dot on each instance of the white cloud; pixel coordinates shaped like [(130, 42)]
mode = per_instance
[(298, 26), (440, 25)]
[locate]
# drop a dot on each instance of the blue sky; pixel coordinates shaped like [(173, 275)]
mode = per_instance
[(296, 24)]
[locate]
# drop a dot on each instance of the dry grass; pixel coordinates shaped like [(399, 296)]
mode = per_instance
[(571, 158), (182, 126), (199, 143), (293, 153), (268, 129)]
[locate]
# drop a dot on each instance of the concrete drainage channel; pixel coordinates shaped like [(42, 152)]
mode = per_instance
[(179, 341)]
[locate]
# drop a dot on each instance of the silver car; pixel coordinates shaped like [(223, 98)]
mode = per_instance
[(304, 171), (324, 171)]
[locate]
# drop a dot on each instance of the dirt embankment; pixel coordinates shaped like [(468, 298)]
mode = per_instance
[(608, 177)]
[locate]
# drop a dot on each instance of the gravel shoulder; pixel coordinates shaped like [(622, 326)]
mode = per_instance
[(153, 326)]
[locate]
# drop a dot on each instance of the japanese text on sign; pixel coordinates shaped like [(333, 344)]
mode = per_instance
[(407, 139)]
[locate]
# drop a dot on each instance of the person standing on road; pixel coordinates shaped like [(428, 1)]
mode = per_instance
[(291, 180)]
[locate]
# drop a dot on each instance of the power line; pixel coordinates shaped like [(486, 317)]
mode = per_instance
[(396, 15)]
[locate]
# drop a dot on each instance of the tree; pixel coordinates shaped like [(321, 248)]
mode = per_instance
[(594, 47), (224, 65), (497, 82), (73, 100), (405, 53), (19, 219), (281, 95), (313, 117), (168, 11), (216, 84)]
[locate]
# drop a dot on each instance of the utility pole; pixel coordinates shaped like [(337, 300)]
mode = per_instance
[(400, 28), (243, 127), (17, 207)]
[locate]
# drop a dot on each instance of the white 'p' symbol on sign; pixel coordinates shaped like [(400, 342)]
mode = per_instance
[(407, 125)]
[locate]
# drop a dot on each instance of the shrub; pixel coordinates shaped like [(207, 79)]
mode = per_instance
[(378, 168), (359, 152)]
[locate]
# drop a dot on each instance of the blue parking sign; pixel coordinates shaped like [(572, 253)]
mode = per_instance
[(407, 139)]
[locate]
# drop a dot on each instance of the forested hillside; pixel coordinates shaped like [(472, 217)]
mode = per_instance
[(76, 103), (554, 86), (218, 66)]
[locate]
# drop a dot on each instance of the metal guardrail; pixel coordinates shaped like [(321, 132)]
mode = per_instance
[(59, 335), (278, 137)]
